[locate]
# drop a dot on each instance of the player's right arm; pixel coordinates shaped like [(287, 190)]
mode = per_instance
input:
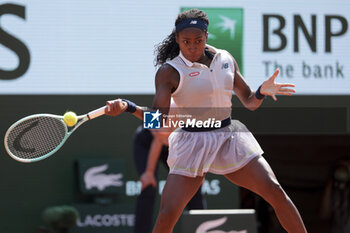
[(166, 81), (118, 106)]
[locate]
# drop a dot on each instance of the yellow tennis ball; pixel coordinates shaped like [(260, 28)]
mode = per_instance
[(70, 118)]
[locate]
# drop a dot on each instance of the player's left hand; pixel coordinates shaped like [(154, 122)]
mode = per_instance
[(271, 88)]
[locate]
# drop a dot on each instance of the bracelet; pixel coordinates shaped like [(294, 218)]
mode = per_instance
[(258, 94), (131, 106)]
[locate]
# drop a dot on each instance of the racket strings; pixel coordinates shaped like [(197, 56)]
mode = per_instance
[(36, 137)]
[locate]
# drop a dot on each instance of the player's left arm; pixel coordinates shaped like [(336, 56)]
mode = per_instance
[(269, 87), (243, 91)]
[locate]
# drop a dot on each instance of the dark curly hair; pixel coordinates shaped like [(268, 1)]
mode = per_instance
[(168, 48)]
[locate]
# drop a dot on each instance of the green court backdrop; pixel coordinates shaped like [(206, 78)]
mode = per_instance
[(27, 189)]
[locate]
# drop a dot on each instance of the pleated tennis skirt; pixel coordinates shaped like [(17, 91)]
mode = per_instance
[(221, 151)]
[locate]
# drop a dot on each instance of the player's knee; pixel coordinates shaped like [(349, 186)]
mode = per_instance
[(167, 214), (277, 193), (163, 220)]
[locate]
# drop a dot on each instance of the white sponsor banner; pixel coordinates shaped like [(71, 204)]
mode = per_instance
[(318, 67), (106, 47)]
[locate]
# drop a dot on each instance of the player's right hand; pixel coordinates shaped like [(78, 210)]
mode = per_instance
[(147, 178), (115, 107)]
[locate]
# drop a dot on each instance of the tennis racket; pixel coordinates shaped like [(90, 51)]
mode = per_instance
[(39, 136)]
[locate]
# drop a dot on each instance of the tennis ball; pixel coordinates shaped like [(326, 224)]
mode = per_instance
[(70, 118)]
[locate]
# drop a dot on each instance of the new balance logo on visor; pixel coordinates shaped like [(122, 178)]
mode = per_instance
[(193, 22)]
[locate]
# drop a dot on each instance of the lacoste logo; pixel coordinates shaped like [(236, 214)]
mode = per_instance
[(208, 225), (94, 177), (193, 74), (193, 22)]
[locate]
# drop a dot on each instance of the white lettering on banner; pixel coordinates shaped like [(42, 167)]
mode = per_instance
[(161, 186), (107, 220), (133, 188), (209, 187), (207, 225)]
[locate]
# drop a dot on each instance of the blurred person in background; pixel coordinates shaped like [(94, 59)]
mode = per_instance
[(149, 148)]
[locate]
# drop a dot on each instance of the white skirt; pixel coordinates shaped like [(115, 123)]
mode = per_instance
[(220, 151)]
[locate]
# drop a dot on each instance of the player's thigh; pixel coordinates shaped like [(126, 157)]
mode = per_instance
[(256, 176)]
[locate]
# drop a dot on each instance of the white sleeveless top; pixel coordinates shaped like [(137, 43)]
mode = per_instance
[(205, 91)]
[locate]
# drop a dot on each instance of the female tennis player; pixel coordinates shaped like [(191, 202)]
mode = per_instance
[(199, 76)]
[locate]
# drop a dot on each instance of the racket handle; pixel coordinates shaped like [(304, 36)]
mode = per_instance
[(96, 113)]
